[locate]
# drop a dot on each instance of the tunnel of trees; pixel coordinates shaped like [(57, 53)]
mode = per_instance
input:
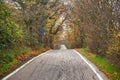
[(91, 24)]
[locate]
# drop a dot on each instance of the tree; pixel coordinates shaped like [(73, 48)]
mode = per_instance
[(97, 18), (10, 32), (34, 15)]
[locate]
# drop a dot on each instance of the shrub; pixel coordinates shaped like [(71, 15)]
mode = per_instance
[(6, 57)]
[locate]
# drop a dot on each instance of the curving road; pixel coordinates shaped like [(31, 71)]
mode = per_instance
[(63, 64)]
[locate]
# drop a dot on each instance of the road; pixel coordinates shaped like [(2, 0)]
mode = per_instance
[(63, 64)]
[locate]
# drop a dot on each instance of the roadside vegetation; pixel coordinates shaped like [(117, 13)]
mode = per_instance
[(13, 58), (112, 72)]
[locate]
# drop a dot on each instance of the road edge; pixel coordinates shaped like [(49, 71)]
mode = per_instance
[(98, 73), (16, 70)]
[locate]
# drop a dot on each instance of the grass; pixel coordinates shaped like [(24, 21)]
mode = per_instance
[(103, 64), (7, 66)]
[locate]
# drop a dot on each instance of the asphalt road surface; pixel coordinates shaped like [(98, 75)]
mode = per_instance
[(63, 64)]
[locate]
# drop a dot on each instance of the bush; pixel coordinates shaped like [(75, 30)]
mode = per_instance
[(9, 57), (6, 56), (22, 50)]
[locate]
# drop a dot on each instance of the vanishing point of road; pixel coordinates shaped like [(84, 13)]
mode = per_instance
[(63, 64)]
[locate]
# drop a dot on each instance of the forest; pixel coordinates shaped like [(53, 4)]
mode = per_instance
[(27, 25)]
